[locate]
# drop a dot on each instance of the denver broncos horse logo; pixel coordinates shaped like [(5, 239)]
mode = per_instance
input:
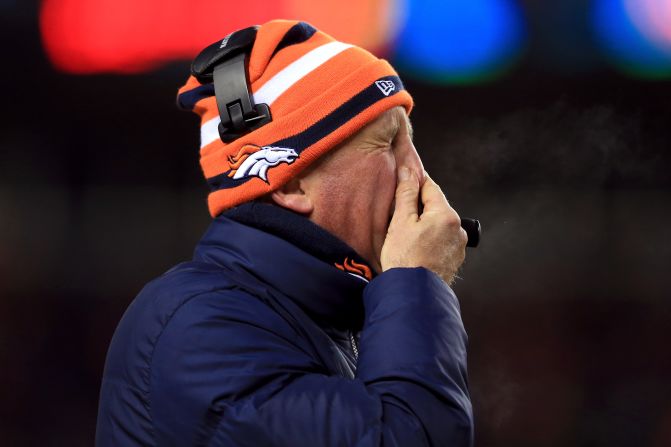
[(355, 269), (254, 161)]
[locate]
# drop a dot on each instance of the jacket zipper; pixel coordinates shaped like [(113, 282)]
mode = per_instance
[(355, 349)]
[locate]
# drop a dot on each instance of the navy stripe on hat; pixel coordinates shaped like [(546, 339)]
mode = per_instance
[(188, 100), (378, 90), (298, 33)]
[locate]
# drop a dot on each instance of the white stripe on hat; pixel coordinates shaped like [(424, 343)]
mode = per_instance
[(280, 83), (209, 131), (295, 71)]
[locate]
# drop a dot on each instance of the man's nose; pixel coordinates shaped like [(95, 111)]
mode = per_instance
[(407, 156)]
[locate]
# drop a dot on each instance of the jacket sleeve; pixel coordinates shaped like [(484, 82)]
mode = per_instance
[(227, 380)]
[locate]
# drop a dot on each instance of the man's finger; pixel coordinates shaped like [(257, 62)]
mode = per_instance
[(407, 193), (432, 196)]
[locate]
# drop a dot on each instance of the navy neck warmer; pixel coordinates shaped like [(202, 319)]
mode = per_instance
[(302, 233)]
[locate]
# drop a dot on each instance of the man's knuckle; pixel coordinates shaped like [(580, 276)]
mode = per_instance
[(406, 190), (450, 221), (444, 220)]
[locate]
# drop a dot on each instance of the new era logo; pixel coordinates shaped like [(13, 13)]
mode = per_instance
[(386, 87)]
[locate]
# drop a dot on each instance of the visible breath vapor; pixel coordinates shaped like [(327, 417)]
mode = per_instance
[(562, 144)]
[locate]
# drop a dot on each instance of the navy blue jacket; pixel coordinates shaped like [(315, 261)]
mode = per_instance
[(254, 343)]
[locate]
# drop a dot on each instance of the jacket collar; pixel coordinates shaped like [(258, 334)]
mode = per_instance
[(297, 261)]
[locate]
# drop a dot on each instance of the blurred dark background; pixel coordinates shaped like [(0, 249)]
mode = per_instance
[(564, 156)]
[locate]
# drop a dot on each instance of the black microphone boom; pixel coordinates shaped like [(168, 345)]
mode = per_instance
[(473, 230)]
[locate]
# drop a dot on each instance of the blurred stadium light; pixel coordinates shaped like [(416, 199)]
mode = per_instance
[(444, 41), (132, 36), (636, 35), (653, 18), (459, 41)]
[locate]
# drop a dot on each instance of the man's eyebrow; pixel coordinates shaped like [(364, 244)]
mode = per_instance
[(391, 128), (411, 130)]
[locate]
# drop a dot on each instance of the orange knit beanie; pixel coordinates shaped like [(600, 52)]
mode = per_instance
[(319, 91)]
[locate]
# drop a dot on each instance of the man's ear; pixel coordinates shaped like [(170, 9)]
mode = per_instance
[(292, 196)]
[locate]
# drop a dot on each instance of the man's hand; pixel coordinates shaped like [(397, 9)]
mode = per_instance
[(434, 239)]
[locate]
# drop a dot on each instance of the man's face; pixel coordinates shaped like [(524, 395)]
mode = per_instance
[(353, 189)]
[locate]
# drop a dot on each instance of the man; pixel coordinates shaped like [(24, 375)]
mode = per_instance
[(316, 310)]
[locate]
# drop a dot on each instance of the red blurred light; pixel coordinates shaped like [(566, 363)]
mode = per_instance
[(130, 36)]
